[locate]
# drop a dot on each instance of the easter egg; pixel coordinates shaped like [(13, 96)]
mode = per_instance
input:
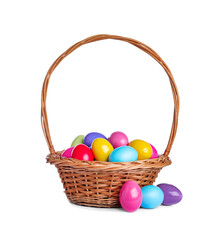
[(82, 152), (90, 137), (118, 139), (172, 195), (130, 196), (143, 148), (101, 149), (154, 154), (152, 196), (77, 140), (67, 153), (123, 154)]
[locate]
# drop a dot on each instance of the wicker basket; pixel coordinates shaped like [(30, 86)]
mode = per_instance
[(98, 183)]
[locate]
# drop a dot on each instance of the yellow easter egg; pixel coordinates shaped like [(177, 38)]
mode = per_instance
[(101, 149), (143, 148)]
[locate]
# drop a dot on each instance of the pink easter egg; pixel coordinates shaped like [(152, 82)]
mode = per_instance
[(155, 154), (67, 153), (118, 139), (130, 196)]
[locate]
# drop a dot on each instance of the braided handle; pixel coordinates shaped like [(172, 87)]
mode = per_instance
[(143, 47)]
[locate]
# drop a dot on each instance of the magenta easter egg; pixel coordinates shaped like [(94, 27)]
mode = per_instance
[(67, 153), (155, 154), (130, 196), (118, 139)]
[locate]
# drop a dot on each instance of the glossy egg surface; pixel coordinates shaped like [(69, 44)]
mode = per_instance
[(101, 149), (130, 196), (172, 195), (82, 152), (67, 153), (118, 139), (123, 154), (154, 152), (143, 148), (90, 137), (152, 196)]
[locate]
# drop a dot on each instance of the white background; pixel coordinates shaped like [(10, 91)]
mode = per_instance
[(108, 86)]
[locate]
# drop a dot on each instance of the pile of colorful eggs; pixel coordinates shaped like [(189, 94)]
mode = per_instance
[(117, 148), (133, 197)]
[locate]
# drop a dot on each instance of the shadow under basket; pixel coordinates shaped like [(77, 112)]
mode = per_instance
[(98, 183)]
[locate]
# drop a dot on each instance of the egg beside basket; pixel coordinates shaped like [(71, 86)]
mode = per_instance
[(98, 183)]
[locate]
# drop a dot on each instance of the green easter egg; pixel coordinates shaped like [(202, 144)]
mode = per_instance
[(78, 140)]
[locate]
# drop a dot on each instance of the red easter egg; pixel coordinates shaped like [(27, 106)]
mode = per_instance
[(82, 152)]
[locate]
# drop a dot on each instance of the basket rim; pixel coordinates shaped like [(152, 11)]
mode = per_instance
[(70, 163)]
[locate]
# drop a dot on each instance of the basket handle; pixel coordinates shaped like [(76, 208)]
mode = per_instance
[(143, 47)]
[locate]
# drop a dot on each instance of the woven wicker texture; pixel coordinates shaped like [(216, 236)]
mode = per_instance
[(98, 183)]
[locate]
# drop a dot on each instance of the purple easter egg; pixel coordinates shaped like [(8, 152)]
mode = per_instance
[(154, 154), (172, 195), (90, 137)]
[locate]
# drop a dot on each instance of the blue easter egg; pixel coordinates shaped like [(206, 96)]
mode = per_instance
[(90, 137), (152, 196), (123, 154)]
